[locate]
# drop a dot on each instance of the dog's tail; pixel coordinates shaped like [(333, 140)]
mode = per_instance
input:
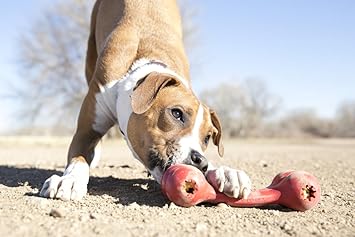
[(91, 53)]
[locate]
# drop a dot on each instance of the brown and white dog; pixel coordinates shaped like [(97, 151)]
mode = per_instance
[(138, 76)]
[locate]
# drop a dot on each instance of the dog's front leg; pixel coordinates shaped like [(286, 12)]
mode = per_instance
[(72, 185)]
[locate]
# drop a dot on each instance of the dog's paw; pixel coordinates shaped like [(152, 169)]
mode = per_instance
[(233, 183), (71, 186)]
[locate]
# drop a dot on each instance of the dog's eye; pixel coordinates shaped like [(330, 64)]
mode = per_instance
[(207, 139), (177, 113)]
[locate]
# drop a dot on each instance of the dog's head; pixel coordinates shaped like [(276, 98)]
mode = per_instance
[(170, 125)]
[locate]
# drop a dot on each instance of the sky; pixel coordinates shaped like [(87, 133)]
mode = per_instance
[(303, 50)]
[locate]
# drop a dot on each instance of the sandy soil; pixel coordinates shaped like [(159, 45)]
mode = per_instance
[(123, 201)]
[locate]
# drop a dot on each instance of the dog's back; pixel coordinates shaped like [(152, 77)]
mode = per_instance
[(154, 25)]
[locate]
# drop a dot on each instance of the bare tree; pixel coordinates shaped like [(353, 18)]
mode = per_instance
[(51, 57), (227, 100), (345, 120), (258, 104), (242, 107), (305, 123)]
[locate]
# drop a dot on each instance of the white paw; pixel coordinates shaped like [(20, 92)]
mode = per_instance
[(233, 183), (71, 186)]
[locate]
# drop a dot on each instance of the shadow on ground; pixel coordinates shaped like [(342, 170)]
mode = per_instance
[(127, 191)]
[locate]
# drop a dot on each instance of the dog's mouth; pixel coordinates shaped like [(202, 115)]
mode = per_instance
[(161, 161), (156, 159)]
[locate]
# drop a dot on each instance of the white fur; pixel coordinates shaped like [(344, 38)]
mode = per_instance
[(97, 155), (71, 186), (105, 108), (192, 140), (233, 183)]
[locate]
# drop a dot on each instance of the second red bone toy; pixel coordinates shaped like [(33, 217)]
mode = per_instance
[(186, 186)]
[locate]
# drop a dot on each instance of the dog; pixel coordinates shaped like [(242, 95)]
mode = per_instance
[(138, 76)]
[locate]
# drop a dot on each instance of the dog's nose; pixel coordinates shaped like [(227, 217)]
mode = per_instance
[(199, 161)]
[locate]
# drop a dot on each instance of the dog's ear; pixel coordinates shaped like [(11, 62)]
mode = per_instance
[(148, 88), (217, 136)]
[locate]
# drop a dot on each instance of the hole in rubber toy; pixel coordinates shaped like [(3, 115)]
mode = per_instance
[(308, 192), (190, 186)]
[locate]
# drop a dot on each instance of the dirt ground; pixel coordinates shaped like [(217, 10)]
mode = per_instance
[(123, 201)]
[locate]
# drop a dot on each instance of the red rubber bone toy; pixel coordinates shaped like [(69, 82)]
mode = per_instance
[(186, 186)]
